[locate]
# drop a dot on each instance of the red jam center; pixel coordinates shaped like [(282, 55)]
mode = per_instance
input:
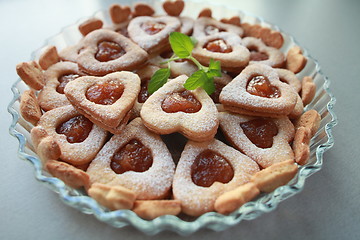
[(210, 167), (75, 129), (215, 95), (134, 156), (181, 102), (152, 28), (218, 45), (260, 86), (210, 30), (105, 93), (63, 80), (144, 94), (260, 132), (108, 51)]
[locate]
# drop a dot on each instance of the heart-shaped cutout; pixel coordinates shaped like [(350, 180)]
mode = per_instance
[(151, 33), (257, 91), (142, 9), (167, 111), (174, 8), (136, 159), (259, 138), (106, 100), (205, 171)]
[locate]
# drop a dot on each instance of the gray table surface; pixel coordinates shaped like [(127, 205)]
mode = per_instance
[(328, 207)]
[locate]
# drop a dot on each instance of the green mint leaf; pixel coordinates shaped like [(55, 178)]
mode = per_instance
[(194, 41), (197, 79), (214, 65), (213, 73), (209, 86), (157, 80), (181, 44)]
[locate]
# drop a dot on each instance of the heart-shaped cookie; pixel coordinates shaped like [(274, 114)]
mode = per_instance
[(106, 100), (78, 138), (119, 13), (224, 47), (205, 26), (235, 20), (172, 108), (174, 8), (265, 140), (143, 9), (106, 51), (258, 91), (136, 159), (205, 171), (151, 33)]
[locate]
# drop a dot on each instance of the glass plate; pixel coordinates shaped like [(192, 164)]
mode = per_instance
[(322, 141)]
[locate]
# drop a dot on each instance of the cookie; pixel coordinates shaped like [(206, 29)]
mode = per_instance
[(279, 174), (151, 33), (224, 47), (173, 8), (265, 140), (260, 53), (112, 197), (205, 26), (78, 139), (90, 25), (136, 159), (205, 171), (29, 107), (295, 61), (142, 9), (119, 14), (310, 120), (31, 73), (56, 77), (69, 174), (258, 91), (301, 145), (172, 108), (105, 100), (151, 209), (308, 90), (106, 51), (48, 57)]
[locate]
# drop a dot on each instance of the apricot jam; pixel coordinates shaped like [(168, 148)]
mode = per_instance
[(105, 93), (215, 95), (260, 86), (134, 156), (210, 30), (63, 80), (183, 101), (144, 94), (260, 132), (76, 129), (218, 45), (210, 167), (108, 51), (152, 28)]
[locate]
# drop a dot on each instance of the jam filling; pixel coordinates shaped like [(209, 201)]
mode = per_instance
[(134, 156), (75, 129), (105, 93), (183, 101), (210, 167), (260, 132), (218, 45), (108, 51), (144, 94), (260, 86), (215, 95), (152, 28), (255, 55), (210, 30), (64, 79)]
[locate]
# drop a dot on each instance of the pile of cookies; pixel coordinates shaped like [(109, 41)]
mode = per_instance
[(95, 125)]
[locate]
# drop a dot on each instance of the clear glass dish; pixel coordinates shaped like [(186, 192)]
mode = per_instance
[(322, 141)]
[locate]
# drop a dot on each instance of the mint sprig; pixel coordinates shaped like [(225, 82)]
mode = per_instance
[(182, 46)]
